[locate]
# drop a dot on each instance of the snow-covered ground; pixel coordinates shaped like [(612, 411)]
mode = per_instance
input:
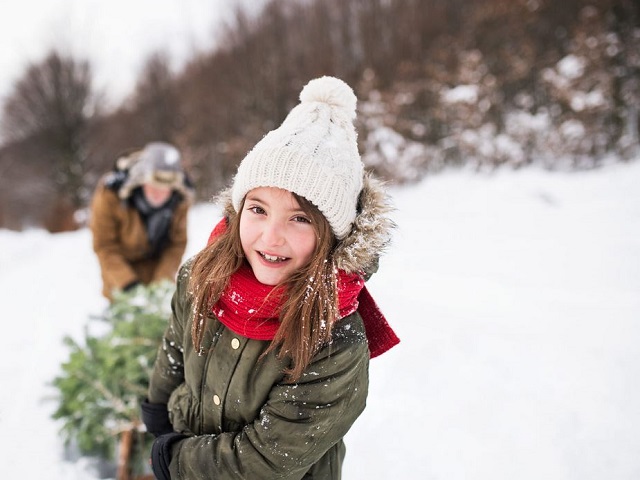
[(517, 299)]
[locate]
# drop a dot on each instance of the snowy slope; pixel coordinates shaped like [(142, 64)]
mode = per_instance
[(516, 297)]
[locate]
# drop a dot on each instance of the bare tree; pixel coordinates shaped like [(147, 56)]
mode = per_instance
[(155, 100), (49, 109)]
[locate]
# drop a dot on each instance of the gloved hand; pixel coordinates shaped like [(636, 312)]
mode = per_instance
[(161, 454), (155, 416), (130, 286)]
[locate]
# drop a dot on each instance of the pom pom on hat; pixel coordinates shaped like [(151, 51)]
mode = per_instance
[(331, 91), (314, 153)]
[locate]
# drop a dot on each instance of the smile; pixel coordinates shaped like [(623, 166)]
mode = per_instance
[(272, 258)]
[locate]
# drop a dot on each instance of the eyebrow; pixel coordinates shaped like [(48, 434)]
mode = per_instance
[(254, 198)]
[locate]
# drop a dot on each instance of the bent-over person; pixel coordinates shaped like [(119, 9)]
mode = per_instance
[(139, 218)]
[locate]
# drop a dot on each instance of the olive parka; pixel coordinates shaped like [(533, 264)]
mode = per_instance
[(242, 418), (122, 246)]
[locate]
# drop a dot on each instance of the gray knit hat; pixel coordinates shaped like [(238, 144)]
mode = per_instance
[(314, 153), (159, 164)]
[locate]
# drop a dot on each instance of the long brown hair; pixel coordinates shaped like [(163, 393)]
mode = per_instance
[(311, 301)]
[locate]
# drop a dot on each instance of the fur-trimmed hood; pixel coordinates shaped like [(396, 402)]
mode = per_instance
[(370, 233)]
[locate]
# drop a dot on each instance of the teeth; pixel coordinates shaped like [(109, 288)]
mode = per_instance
[(272, 258)]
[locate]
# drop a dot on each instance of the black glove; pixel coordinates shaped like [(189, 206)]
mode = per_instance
[(155, 416), (130, 286), (161, 454)]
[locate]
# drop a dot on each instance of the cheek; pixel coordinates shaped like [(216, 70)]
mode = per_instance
[(162, 197), (305, 245), (249, 232), (245, 234)]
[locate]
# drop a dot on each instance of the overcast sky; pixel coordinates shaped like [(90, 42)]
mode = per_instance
[(114, 35)]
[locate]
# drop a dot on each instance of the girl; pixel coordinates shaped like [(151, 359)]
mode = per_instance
[(264, 365)]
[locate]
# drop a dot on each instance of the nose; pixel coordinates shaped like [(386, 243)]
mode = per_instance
[(273, 234)]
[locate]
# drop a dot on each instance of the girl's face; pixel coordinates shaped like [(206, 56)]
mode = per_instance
[(277, 236)]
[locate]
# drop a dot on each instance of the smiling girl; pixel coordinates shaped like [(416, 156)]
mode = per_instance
[(264, 365)]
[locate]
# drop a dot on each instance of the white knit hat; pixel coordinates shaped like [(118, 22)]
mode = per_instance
[(314, 153)]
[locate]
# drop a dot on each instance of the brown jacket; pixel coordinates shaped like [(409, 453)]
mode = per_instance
[(121, 244)]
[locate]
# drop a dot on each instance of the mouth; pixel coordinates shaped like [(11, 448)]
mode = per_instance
[(272, 258)]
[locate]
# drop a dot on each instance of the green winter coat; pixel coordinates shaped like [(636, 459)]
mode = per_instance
[(243, 419), (246, 421)]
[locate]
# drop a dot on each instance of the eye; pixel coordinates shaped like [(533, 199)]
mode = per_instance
[(257, 210), (301, 219)]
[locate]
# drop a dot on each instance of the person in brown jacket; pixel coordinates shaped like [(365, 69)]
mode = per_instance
[(139, 218)]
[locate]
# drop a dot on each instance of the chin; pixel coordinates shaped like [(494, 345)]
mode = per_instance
[(269, 279), (268, 276)]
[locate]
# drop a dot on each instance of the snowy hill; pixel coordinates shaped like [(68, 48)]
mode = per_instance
[(516, 297)]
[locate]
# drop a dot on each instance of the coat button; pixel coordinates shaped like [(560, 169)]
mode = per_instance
[(216, 399), (235, 343)]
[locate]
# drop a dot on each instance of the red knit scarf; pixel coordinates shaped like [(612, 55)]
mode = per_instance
[(252, 309)]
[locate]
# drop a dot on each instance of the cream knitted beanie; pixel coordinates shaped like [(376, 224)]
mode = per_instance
[(314, 153)]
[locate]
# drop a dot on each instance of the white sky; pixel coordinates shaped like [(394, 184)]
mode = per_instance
[(114, 35)]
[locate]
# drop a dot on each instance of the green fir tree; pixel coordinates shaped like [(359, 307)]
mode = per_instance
[(105, 378)]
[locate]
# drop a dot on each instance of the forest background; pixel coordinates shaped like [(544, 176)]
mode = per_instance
[(441, 83)]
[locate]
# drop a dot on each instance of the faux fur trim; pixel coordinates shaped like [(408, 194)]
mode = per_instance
[(179, 185), (370, 233), (134, 180)]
